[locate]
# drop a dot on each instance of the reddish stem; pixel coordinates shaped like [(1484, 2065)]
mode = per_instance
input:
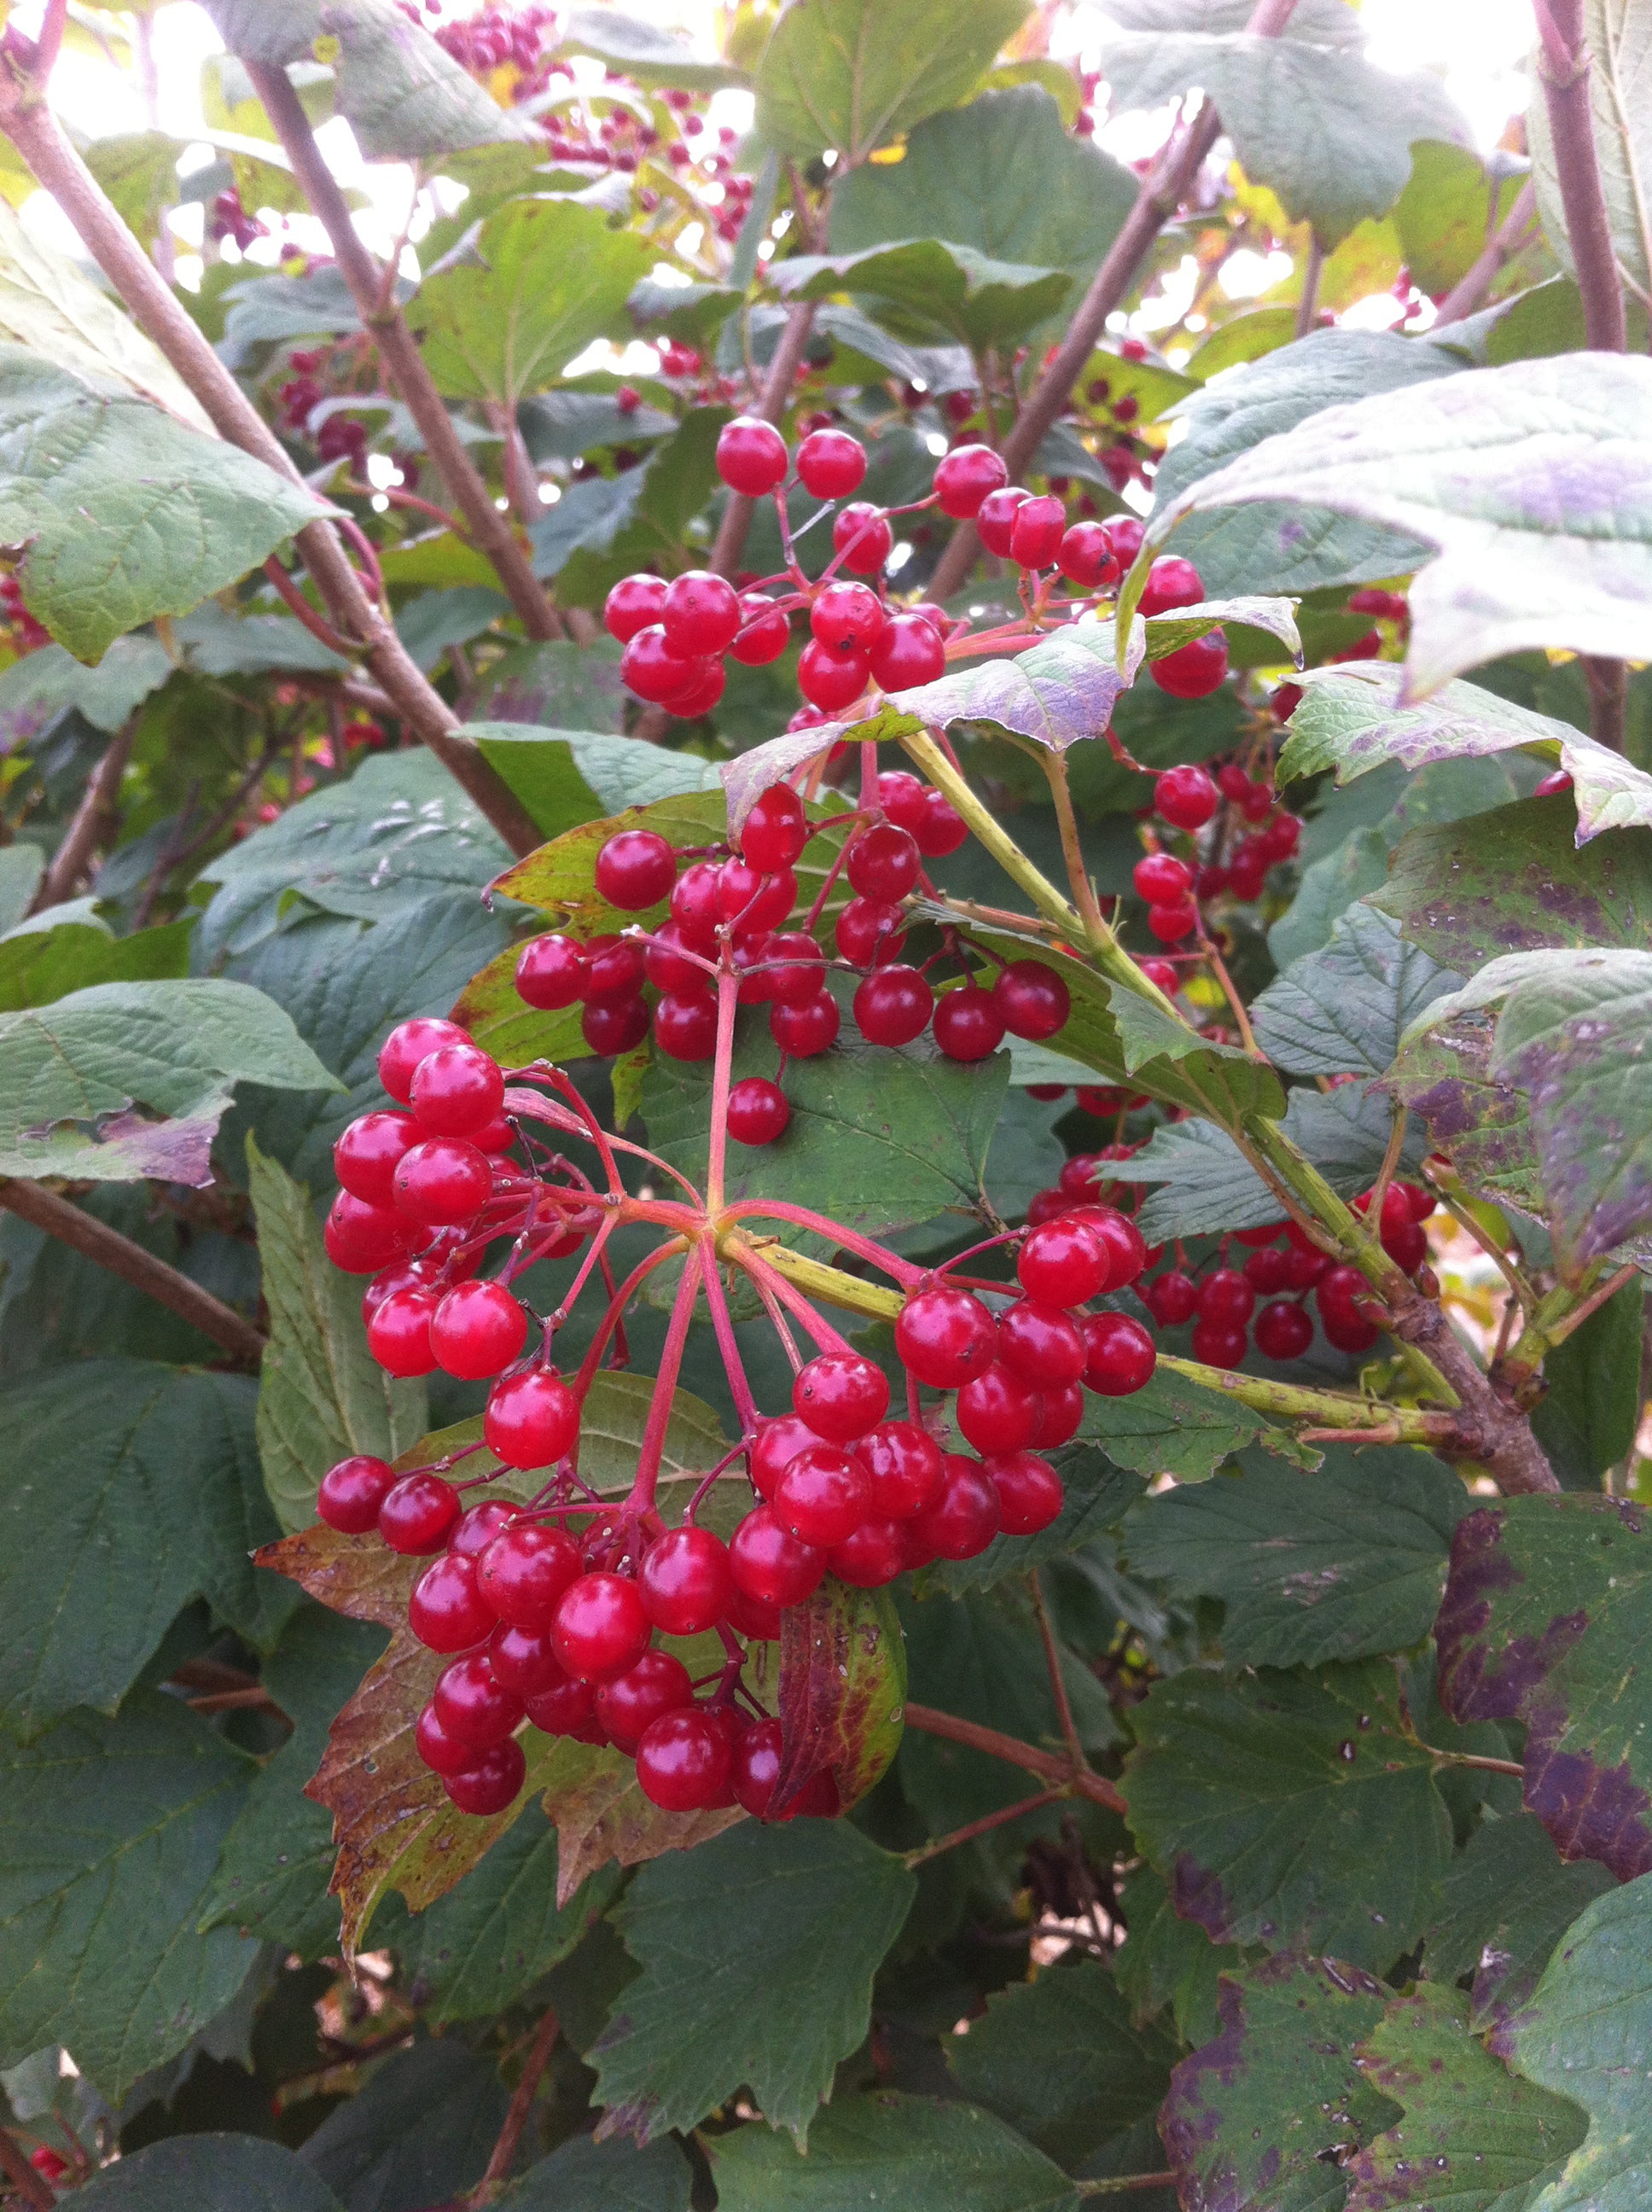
[(847, 1240), (306, 614), (722, 1322), (641, 1497), (617, 1305), (818, 1328)]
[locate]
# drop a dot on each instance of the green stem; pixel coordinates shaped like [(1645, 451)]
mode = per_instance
[(1565, 1308), (1054, 766)]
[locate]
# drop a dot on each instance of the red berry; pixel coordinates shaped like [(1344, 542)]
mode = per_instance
[(472, 1707), (700, 695), (1171, 582), (1162, 880), (803, 1031), (1162, 974), (758, 1111), (494, 1782), (908, 652), (871, 1555), (634, 603), (764, 632), (551, 972), (1283, 1331), (864, 538), (410, 1043), (1226, 1295), (944, 1337), (523, 1572), (352, 1492), (1064, 1263), (1557, 779), (831, 680), (902, 1466), (1120, 1237), (1186, 798), (475, 1529), (968, 1024), (847, 618), (457, 1090), (683, 1761), (615, 1025), (1041, 1343), (823, 1497), (830, 464), (417, 1514), (883, 863), (1193, 670), (775, 831), (1036, 532), (965, 1517), (441, 1752), (628, 1703), (1219, 1343), (365, 1156), (1120, 1355), (796, 967), (635, 869), (684, 1581), (841, 1395), (965, 477), (700, 615), (445, 1611), (751, 456), (441, 1182), (1124, 533), (686, 1028), (1171, 924), (653, 671), (751, 898), (398, 1333), (1268, 1272), (869, 931), (523, 1659), (771, 1565), (1171, 1297), (778, 1442), (996, 1411), (693, 905), (1032, 1001), (599, 1627), (1085, 557), (566, 1706), (477, 1331), (1029, 1493)]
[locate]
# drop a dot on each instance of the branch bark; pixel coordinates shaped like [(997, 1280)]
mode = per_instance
[(1014, 1753), (35, 130), (108, 1249), (373, 291), (771, 405), (1163, 191), (91, 818)]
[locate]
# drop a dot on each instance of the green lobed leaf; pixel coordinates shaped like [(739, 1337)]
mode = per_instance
[(1474, 2136), (1584, 2037), (1524, 558), (585, 2176), (842, 1688), (235, 2174), (124, 512), (1055, 693), (810, 1906), (1339, 1564), (1293, 1810), (1256, 2120), (846, 74), (106, 1464), (109, 1833), (1587, 1421), (1167, 1964), (1174, 1426), (924, 2153), (50, 682), (564, 777), (1057, 2057), (1544, 1621), (1344, 1009), (934, 291), (82, 1076), (418, 2132), (45, 960), (1506, 1901), (322, 1395)]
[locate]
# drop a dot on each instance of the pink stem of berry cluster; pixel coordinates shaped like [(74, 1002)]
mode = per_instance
[(641, 1497), (722, 1322)]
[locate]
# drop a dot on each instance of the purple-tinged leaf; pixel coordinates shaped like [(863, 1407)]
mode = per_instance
[(750, 773), (1546, 1621), (1061, 689), (1533, 481), (1169, 633), (842, 1688)]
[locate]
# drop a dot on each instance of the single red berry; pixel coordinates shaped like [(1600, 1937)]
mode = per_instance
[(830, 464), (700, 695), (902, 797), (1557, 779), (665, 965), (805, 1030), (567, 1706), (1029, 1493), (523, 1659), (1186, 798), (1420, 1201), (685, 1027), (1085, 557), (1120, 1354), (628, 1703), (963, 478), (1171, 1297), (1283, 1331), (399, 1334), (846, 618), (883, 863), (634, 603), (942, 830), (410, 1043), (841, 1395), (751, 456), (771, 1565), (445, 1611), (995, 518), (476, 1527), (615, 1025), (871, 1555), (1060, 1411), (551, 973), (1171, 582), (1041, 1343), (796, 967), (693, 905), (752, 899), (864, 538), (1036, 532), (441, 1181), (352, 1492), (831, 680), (1404, 1241), (779, 1440), (870, 932), (494, 1782), (1219, 1343), (996, 1411), (1282, 835), (1226, 1295), (968, 1024), (700, 615), (599, 1627), (457, 1090), (471, 1705), (764, 632), (823, 1497), (683, 1762), (775, 831), (908, 652), (1162, 880), (1193, 670), (1162, 974), (1121, 1237), (1031, 999), (902, 1466), (1247, 877), (653, 671), (1268, 1272), (1171, 924), (635, 869), (523, 1572), (684, 1581), (944, 1337), (416, 1514), (1064, 1263), (441, 1752), (366, 1156), (478, 1330), (965, 1517), (758, 1111)]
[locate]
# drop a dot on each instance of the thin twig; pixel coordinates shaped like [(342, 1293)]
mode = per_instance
[(987, 1823), (521, 2104), (1474, 1758), (1468, 293), (33, 2188), (1390, 1161), (1308, 306), (91, 817), (1014, 1753), (108, 1249), (1058, 1681)]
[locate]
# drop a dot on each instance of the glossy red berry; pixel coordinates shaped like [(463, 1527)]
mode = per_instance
[(963, 478), (472, 1706), (1558, 780), (869, 930), (779, 1441), (902, 797), (1171, 582), (1162, 880), (523, 1572), (1193, 670), (883, 863), (796, 967), (902, 1466), (1124, 533), (830, 464), (628, 1703), (352, 1492), (996, 1411), (841, 1395), (1219, 1343), (1031, 999), (831, 680), (1120, 1236), (1225, 1295), (479, 1330), (807, 1029), (441, 1182), (1283, 1331), (751, 456), (1171, 1297), (1036, 532), (653, 671), (441, 1752), (768, 1563), (764, 632), (457, 1090), (693, 905), (634, 603), (908, 652), (1085, 557), (758, 1111), (968, 1024), (567, 1706), (398, 1332), (410, 1043), (684, 1581), (1171, 924), (871, 1555), (494, 1782), (1186, 797), (822, 1496), (1268, 1272), (1041, 1343), (966, 1516), (683, 1762), (685, 1027), (847, 618), (862, 536), (1029, 1493), (476, 1527), (1064, 1263), (445, 1611), (523, 1659), (995, 518), (417, 1515), (368, 1152), (615, 1025), (551, 973), (752, 898), (775, 831), (944, 1337), (599, 1627), (1119, 1355), (634, 870), (702, 614)]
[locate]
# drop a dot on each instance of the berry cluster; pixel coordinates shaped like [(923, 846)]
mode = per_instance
[(676, 635), (1219, 857)]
